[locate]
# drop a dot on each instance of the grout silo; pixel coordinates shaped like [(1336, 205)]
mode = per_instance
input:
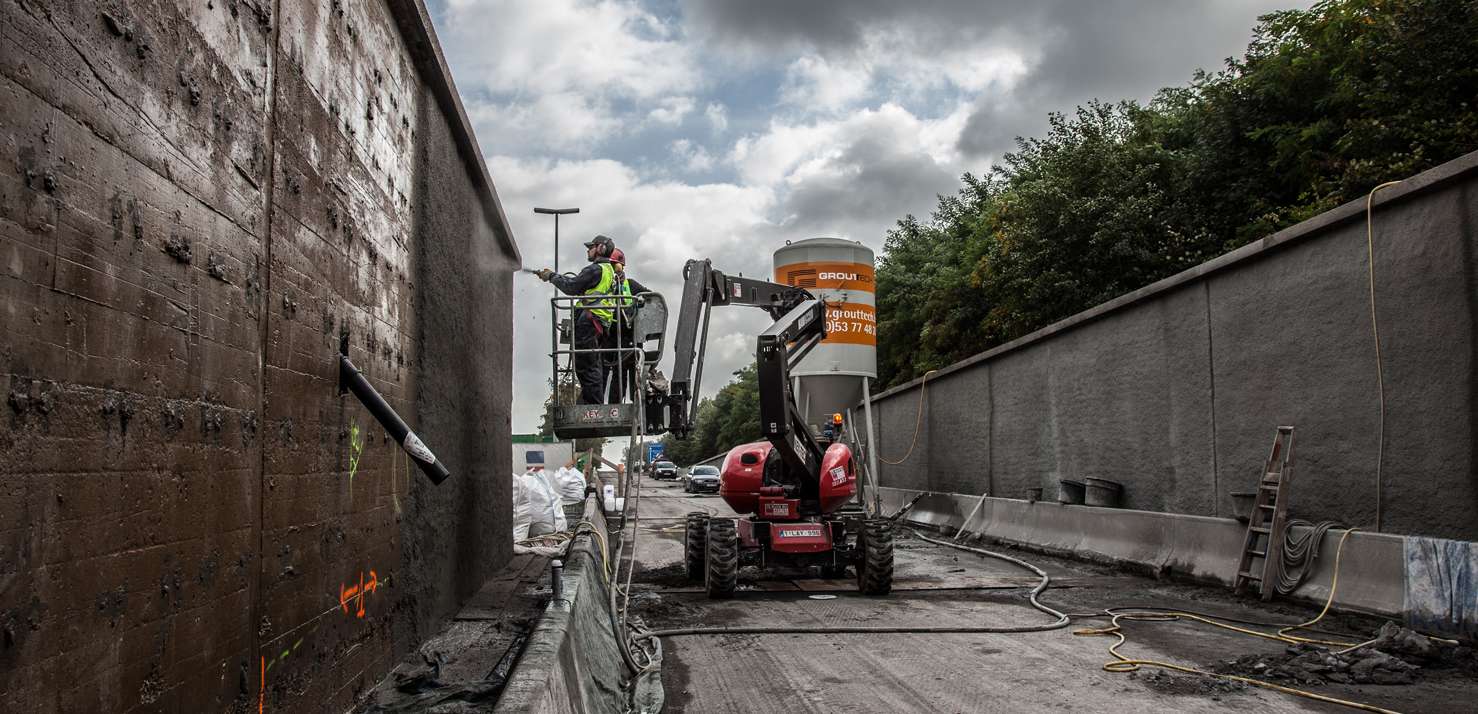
[(841, 273)]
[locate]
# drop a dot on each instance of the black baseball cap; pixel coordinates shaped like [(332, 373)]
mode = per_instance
[(602, 240)]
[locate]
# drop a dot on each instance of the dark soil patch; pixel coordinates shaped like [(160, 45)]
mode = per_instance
[(674, 575), (1188, 685)]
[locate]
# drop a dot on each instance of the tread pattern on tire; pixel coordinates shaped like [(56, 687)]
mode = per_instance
[(722, 557), (875, 567), (695, 545)]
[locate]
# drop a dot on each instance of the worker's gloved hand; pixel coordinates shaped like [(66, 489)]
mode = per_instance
[(545, 274)]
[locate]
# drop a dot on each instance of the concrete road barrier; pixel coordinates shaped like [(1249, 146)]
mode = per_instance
[(1429, 583), (572, 663)]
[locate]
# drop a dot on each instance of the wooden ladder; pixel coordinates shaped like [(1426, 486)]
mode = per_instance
[(1269, 517)]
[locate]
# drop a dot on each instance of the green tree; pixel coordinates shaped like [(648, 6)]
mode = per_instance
[(1325, 104), (730, 418)]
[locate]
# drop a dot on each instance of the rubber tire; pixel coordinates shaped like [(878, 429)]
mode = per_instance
[(875, 566), (695, 545), (722, 567)]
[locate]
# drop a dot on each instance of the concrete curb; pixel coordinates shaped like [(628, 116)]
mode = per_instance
[(1422, 581), (572, 662)]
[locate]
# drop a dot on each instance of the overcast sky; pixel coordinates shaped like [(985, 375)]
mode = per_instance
[(722, 128)]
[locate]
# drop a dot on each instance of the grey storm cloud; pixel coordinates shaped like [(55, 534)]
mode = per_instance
[(1076, 50), (871, 184)]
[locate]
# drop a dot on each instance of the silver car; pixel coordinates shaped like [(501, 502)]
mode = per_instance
[(701, 479)]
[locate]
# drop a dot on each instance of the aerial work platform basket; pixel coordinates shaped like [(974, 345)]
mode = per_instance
[(627, 356)]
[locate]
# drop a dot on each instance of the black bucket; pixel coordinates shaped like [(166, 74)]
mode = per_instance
[(1069, 492), (1103, 492)]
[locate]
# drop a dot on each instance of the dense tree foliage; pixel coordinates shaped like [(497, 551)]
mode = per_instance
[(1325, 104), (723, 422)]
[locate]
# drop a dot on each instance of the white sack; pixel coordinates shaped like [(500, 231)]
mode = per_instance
[(545, 510), (521, 519), (571, 484)]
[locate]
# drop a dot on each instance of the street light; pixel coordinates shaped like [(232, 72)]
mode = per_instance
[(553, 311), (556, 212)]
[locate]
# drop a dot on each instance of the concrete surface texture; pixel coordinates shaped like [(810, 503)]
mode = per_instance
[(1175, 390), (205, 200), (938, 586)]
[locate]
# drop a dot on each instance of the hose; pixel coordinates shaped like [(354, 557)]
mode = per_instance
[(1061, 621), (1121, 663), (1380, 378), (917, 422), (1299, 553)]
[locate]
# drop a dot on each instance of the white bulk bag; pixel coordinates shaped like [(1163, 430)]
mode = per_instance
[(545, 510), (521, 519), (571, 485)]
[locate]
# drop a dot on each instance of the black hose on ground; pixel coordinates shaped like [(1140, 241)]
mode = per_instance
[(1061, 622)]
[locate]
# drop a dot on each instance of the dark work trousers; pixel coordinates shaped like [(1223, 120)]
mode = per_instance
[(589, 366)]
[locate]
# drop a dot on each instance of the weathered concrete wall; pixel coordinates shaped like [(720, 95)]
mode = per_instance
[(201, 203), (1175, 390)]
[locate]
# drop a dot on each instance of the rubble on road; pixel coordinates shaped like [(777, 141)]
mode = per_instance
[(1397, 655)]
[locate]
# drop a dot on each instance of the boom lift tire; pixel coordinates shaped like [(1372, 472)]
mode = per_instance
[(695, 544), (875, 564), (722, 557)]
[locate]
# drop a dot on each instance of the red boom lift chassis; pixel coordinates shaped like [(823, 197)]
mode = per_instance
[(795, 496)]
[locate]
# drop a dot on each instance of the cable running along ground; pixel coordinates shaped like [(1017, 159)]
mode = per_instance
[(1061, 621), (1122, 663)]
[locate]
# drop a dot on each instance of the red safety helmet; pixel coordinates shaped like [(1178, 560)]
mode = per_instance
[(618, 257)]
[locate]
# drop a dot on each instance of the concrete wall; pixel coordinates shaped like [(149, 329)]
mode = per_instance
[(1175, 390), (200, 203)]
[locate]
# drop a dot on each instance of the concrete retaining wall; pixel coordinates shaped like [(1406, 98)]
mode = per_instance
[(201, 202), (1175, 390), (1429, 584)]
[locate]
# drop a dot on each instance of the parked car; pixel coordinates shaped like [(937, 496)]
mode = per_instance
[(701, 479), (664, 470)]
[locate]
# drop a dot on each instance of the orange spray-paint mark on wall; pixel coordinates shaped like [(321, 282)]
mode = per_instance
[(357, 593), (262, 688)]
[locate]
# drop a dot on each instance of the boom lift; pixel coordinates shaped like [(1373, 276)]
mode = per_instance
[(791, 490)]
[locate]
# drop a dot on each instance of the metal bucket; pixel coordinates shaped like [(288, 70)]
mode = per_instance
[(1103, 492), (1069, 492)]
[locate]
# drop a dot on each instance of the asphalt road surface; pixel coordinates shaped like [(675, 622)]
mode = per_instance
[(935, 585)]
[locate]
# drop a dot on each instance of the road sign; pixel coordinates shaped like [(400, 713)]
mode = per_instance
[(654, 451)]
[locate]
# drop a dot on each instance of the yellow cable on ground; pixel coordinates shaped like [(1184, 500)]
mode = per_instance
[(917, 422), (1122, 663)]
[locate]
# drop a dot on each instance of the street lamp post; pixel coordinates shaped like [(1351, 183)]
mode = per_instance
[(553, 311), (556, 212)]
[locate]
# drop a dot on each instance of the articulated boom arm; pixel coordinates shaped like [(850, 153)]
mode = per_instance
[(800, 324)]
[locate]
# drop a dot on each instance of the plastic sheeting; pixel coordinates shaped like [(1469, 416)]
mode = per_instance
[(1442, 585)]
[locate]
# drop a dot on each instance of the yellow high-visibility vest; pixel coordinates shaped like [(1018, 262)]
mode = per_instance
[(602, 308)]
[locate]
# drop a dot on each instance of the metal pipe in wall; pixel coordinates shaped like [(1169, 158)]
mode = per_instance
[(352, 381)]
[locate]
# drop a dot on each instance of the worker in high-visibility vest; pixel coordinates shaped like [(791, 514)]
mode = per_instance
[(621, 369), (592, 320)]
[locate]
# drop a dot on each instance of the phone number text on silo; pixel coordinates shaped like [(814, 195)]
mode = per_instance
[(844, 320)]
